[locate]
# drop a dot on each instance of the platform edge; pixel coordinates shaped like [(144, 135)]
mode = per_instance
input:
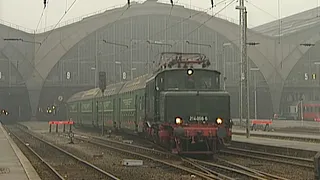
[(31, 173)]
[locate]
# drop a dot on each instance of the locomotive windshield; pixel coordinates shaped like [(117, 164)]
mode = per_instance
[(200, 79)]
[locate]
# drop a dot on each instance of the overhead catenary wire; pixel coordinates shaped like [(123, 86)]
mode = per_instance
[(40, 20), (185, 19), (40, 43), (73, 3), (259, 8), (178, 23), (68, 9), (202, 24), (202, 12)]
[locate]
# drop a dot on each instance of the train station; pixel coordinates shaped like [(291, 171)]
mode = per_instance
[(43, 68), (159, 90)]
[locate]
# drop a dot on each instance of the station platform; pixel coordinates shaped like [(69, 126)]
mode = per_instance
[(278, 143), (13, 164), (286, 123), (282, 134)]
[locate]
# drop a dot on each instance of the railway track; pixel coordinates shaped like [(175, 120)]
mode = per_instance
[(220, 169), (61, 164), (167, 159), (283, 159), (206, 170), (236, 171)]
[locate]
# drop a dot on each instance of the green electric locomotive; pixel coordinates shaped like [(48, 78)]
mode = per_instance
[(180, 105)]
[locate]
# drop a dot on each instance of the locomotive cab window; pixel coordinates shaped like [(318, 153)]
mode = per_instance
[(182, 79)]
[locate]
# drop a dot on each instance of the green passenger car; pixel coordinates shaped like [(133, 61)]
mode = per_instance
[(85, 105), (110, 104), (132, 100), (123, 105)]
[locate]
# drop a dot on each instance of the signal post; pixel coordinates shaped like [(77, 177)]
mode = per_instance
[(102, 86)]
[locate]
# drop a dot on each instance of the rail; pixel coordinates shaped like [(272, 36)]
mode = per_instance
[(190, 163), (294, 161), (77, 159), (202, 165), (115, 146), (38, 156)]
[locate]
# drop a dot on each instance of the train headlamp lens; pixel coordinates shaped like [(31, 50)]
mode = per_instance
[(190, 72), (219, 121), (178, 120)]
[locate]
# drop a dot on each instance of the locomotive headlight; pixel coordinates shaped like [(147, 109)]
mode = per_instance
[(190, 72), (178, 120), (219, 121)]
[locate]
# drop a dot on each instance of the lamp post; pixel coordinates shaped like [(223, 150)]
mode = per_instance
[(132, 69), (198, 44), (120, 68), (117, 62), (160, 43), (255, 91), (95, 75)]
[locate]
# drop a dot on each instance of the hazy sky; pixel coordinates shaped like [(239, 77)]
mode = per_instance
[(27, 12)]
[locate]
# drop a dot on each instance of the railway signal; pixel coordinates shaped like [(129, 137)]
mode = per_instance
[(102, 80)]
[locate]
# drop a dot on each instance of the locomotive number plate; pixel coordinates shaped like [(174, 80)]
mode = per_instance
[(198, 118)]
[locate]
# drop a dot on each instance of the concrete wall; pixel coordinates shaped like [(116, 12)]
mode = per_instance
[(16, 66)]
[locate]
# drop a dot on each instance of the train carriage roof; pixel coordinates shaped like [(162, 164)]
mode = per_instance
[(84, 95), (135, 84), (76, 96), (92, 93), (113, 89)]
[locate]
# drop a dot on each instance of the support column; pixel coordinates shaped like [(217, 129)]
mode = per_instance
[(276, 85), (34, 86)]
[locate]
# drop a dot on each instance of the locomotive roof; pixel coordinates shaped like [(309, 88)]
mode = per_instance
[(135, 84), (113, 89)]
